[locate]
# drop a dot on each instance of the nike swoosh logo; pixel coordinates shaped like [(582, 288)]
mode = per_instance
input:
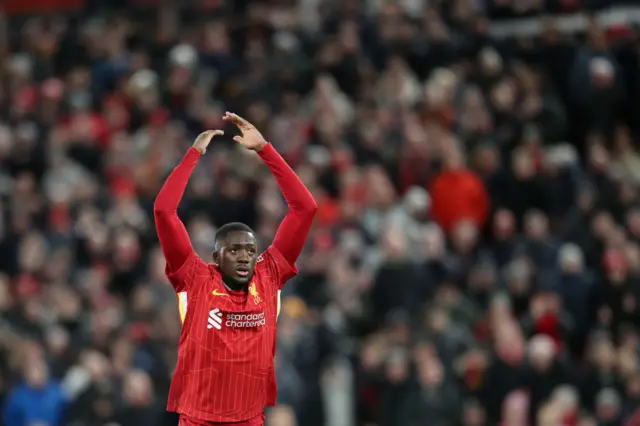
[(217, 293)]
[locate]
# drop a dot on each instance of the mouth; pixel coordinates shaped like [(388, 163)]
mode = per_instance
[(243, 272)]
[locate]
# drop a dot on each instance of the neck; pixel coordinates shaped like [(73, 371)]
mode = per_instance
[(233, 285)]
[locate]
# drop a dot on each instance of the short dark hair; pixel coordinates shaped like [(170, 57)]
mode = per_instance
[(228, 228)]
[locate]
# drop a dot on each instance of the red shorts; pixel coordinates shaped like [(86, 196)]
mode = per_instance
[(190, 421)]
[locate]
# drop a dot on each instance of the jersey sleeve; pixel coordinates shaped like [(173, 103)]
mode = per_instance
[(191, 272), (278, 267)]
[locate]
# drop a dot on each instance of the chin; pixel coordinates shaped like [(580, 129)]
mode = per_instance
[(237, 281), (243, 280)]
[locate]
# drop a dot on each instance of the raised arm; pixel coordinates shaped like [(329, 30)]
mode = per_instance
[(294, 229), (173, 236)]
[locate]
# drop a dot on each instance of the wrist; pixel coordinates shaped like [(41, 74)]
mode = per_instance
[(197, 151), (261, 146)]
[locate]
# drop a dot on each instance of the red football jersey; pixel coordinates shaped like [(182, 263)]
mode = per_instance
[(225, 370)]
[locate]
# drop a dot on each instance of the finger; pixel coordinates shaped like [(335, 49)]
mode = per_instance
[(207, 135), (238, 139), (236, 119)]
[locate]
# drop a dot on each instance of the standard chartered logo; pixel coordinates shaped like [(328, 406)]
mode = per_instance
[(245, 320), (252, 320)]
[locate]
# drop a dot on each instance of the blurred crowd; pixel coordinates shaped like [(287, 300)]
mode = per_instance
[(476, 256)]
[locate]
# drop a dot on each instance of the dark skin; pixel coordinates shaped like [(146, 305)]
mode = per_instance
[(236, 255)]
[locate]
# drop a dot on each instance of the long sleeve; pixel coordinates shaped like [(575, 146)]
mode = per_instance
[(172, 233), (292, 233)]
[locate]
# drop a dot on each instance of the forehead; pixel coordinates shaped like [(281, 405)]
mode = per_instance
[(239, 238)]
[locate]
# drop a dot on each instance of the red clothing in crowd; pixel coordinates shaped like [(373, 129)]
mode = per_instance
[(458, 195)]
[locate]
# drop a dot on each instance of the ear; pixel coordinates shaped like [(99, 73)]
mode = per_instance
[(216, 258)]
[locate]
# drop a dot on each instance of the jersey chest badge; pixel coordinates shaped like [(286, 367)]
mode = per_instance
[(254, 293)]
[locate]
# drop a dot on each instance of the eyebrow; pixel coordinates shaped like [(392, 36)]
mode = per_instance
[(237, 245)]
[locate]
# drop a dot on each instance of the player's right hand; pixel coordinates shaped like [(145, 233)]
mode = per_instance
[(204, 139)]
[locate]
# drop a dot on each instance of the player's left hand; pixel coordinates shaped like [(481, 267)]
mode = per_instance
[(250, 137)]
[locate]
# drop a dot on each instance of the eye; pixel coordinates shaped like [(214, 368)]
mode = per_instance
[(252, 251), (233, 251)]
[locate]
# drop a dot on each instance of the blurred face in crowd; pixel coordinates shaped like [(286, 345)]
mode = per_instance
[(599, 158), (607, 405), (509, 342), (465, 237), (96, 364), (503, 96), (487, 160), (500, 308), (627, 193), (143, 300), (504, 224), (430, 371), (437, 320), (127, 249), (603, 355), (616, 267), (397, 367), (629, 338), (137, 388), (597, 37), (627, 361), (602, 224), (281, 415), (474, 415), (482, 277), (122, 352), (416, 202), (632, 255), (523, 166), (381, 192), (490, 61), (433, 243), (633, 222), (57, 341), (447, 295), (515, 409), (35, 372), (518, 276), (587, 421), (541, 353), (571, 259), (623, 141), (33, 250), (394, 244), (633, 386), (536, 225), (585, 200), (566, 398), (6, 300), (372, 353)]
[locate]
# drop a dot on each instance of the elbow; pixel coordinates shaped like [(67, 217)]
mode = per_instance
[(159, 209), (163, 204), (311, 208), (306, 212)]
